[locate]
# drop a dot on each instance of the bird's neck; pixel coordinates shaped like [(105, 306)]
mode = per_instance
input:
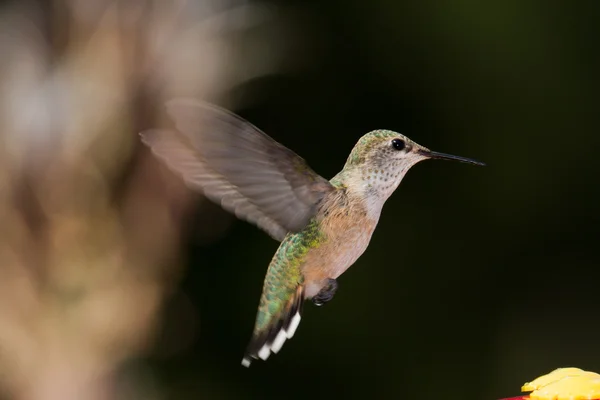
[(366, 185)]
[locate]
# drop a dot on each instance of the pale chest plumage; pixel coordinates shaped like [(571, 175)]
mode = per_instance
[(347, 226), (347, 244)]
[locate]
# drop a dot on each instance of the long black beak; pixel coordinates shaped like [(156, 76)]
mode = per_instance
[(442, 156)]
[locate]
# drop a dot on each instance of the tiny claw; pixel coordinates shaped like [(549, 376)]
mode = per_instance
[(326, 293)]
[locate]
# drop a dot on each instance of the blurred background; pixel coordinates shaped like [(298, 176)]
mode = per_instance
[(116, 282)]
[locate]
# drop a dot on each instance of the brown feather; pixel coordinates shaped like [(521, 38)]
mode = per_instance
[(238, 166)]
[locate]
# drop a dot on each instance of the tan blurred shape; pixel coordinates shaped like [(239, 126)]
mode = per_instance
[(91, 223)]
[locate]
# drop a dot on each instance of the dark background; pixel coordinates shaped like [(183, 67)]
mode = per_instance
[(477, 279)]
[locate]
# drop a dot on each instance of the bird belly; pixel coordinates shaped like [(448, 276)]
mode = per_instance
[(347, 250), (330, 260)]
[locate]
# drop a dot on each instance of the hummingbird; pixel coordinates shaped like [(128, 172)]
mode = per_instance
[(323, 225)]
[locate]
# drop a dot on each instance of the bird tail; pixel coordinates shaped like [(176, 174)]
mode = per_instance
[(273, 328)]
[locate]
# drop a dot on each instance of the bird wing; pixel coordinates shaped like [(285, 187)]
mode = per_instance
[(239, 167)]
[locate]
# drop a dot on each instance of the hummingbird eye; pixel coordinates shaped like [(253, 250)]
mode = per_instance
[(398, 144)]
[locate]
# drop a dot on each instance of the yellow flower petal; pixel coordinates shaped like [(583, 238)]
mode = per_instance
[(583, 387), (553, 376)]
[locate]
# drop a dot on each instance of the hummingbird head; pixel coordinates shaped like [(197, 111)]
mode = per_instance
[(381, 158)]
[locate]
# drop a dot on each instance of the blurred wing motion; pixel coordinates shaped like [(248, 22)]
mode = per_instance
[(238, 166)]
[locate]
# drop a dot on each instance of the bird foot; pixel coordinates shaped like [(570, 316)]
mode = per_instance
[(326, 293)]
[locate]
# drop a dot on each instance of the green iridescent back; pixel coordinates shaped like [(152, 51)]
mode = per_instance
[(284, 274)]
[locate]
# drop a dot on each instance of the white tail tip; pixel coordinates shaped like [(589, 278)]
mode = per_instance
[(246, 361), (278, 342), (264, 353), (293, 325)]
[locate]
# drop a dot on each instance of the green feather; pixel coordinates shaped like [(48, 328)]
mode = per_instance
[(284, 275)]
